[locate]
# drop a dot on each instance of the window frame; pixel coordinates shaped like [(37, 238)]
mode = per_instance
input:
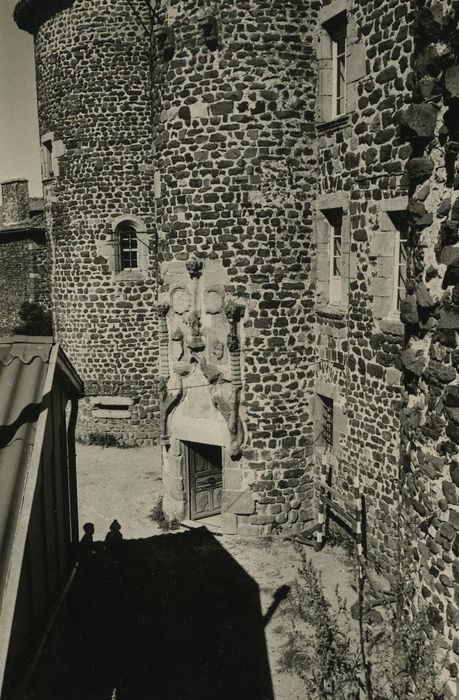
[(332, 290), (335, 281), (47, 159), (127, 229), (401, 228), (327, 421), (111, 249), (337, 32), (384, 253)]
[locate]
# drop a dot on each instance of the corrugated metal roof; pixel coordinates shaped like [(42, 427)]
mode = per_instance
[(27, 373)]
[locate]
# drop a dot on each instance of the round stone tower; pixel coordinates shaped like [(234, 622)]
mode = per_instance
[(234, 89), (92, 63)]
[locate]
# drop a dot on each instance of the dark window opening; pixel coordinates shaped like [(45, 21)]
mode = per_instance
[(327, 421), (128, 247)]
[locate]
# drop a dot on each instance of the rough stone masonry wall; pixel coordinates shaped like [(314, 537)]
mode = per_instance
[(236, 162), (361, 161), (24, 275), (94, 105), (430, 436)]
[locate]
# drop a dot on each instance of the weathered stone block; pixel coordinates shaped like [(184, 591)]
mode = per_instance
[(229, 523), (421, 119), (450, 255), (419, 170), (238, 502), (409, 310)]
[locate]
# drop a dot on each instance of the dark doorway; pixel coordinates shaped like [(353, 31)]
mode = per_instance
[(205, 479)]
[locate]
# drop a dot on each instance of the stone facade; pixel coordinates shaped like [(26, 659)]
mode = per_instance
[(305, 257), (235, 159), (24, 255), (95, 129)]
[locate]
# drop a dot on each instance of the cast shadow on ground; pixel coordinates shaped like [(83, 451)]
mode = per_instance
[(175, 618)]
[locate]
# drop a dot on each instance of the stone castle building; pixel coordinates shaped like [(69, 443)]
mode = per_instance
[(253, 226), (24, 255)]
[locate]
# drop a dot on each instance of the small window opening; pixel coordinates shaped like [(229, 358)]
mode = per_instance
[(402, 263), (128, 246), (327, 421), (48, 159), (335, 221), (337, 31)]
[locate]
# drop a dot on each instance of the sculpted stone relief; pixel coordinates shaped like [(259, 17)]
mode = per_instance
[(199, 326)]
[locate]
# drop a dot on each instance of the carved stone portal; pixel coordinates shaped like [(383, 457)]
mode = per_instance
[(203, 328)]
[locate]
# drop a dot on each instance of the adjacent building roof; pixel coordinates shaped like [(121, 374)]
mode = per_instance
[(27, 374), (37, 222)]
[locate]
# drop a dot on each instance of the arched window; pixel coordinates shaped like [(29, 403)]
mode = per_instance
[(127, 246)]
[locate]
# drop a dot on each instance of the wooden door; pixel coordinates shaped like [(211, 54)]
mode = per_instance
[(205, 474)]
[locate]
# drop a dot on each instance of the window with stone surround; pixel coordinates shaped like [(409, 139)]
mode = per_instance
[(333, 251), (400, 262), (330, 421), (47, 160), (337, 33), (389, 253), (51, 151), (127, 246), (327, 421), (342, 61), (127, 250)]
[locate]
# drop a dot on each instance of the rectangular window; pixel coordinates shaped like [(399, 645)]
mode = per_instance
[(401, 263), (47, 159), (338, 38), (128, 247), (327, 421), (335, 247)]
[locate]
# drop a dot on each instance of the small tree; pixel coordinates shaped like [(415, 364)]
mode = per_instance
[(35, 320)]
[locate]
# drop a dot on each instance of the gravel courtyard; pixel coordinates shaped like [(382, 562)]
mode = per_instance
[(239, 580)]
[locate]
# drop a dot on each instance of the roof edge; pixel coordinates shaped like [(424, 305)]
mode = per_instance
[(29, 15), (42, 339), (13, 570), (65, 366)]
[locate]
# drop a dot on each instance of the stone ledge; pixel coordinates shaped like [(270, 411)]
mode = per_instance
[(333, 124), (331, 312)]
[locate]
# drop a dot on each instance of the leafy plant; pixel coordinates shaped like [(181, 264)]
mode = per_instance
[(395, 658), (159, 517), (320, 649), (103, 440)]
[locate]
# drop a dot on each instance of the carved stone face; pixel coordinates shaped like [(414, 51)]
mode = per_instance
[(218, 350), (180, 300), (177, 344), (213, 301)]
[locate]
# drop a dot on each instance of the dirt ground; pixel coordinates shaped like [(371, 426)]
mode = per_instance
[(124, 484)]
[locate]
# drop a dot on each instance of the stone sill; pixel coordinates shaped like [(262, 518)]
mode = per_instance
[(48, 180), (331, 312), (130, 276), (107, 413), (333, 124)]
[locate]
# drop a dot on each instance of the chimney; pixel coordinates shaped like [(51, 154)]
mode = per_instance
[(15, 201)]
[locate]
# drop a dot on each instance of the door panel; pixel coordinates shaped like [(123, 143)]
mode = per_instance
[(205, 473)]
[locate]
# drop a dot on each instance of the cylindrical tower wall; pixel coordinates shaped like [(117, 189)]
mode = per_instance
[(236, 160), (92, 62)]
